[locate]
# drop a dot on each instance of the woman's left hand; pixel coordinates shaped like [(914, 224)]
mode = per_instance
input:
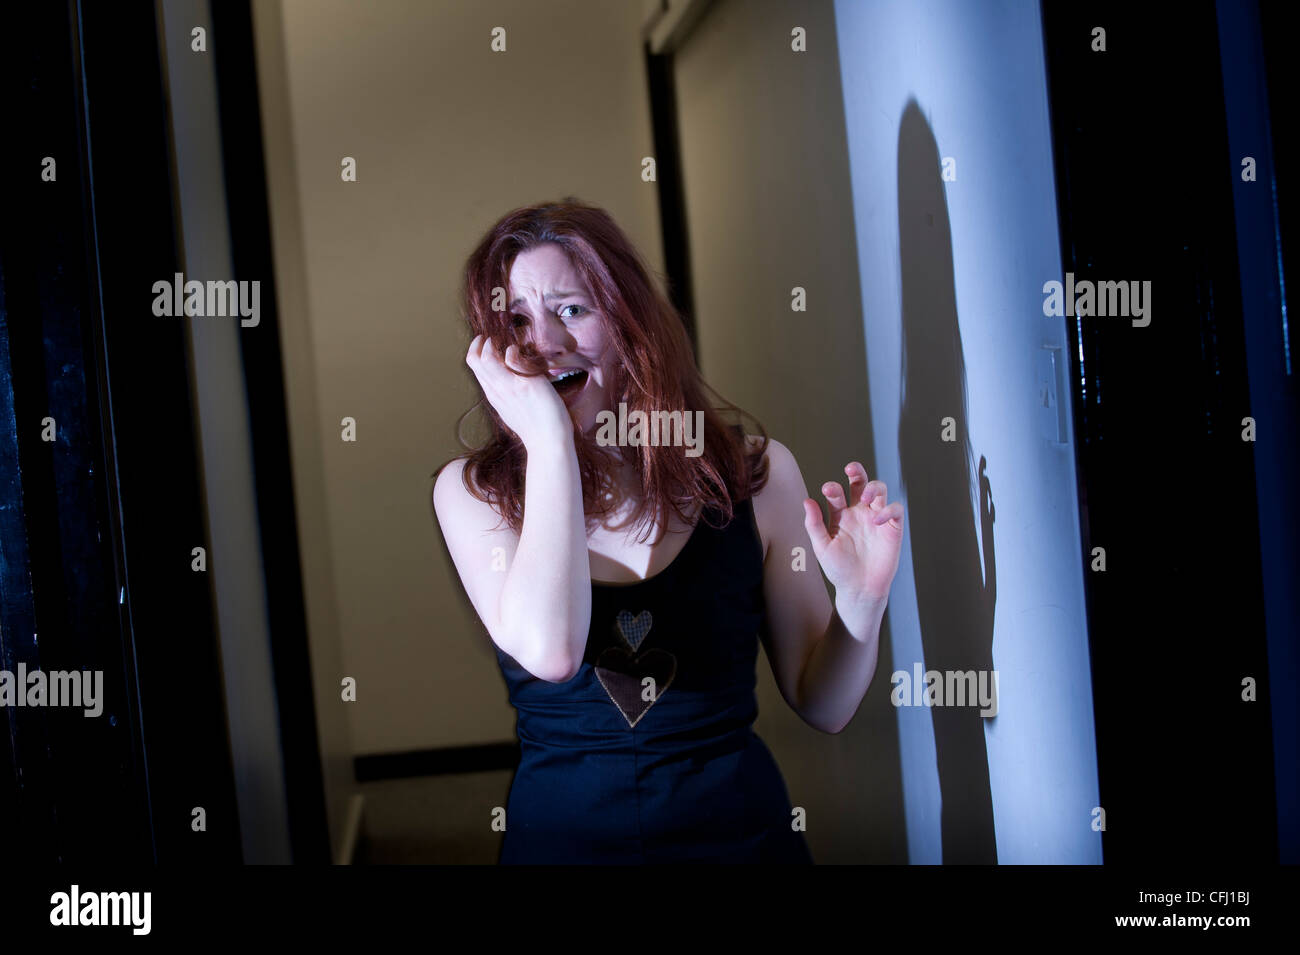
[(858, 550)]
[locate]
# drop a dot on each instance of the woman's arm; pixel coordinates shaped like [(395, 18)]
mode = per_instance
[(532, 590), (823, 656)]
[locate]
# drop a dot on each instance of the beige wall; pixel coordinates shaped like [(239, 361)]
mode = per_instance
[(447, 136), (769, 207)]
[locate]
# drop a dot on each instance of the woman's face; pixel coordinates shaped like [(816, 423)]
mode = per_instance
[(553, 308)]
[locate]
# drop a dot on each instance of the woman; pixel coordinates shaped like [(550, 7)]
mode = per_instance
[(626, 586)]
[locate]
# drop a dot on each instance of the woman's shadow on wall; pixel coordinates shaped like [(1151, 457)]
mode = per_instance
[(955, 600)]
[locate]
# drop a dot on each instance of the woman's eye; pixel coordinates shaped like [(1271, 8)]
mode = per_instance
[(519, 321), (580, 311)]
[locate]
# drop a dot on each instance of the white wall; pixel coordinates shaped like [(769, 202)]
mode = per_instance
[(977, 72)]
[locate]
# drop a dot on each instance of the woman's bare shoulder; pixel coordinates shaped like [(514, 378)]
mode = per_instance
[(449, 481), (782, 490), (778, 456), (456, 508)]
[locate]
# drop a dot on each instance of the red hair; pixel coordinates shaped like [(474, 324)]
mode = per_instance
[(657, 373)]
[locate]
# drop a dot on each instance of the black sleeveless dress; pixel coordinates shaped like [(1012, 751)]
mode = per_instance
[(648, 754)]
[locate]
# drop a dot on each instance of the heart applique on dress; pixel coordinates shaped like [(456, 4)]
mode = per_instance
[(623, 672), (633, 629)]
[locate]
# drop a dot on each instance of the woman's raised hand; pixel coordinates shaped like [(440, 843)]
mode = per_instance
[(528, 404), (858, 550)]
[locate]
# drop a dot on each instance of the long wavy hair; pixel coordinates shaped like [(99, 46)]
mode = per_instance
[(657, 373)]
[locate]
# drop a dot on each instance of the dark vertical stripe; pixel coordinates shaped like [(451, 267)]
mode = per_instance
[(260, 348)]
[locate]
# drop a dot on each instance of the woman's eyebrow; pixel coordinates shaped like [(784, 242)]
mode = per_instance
[(549, 296)]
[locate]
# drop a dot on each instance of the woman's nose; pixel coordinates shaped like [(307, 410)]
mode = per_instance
[(550, 337)]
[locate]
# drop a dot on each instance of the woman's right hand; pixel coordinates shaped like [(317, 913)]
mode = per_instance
[(528, 404)]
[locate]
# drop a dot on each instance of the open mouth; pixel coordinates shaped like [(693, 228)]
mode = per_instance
[(568, 381)]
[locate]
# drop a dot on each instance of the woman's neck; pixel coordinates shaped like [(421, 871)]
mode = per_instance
[(626, 496)]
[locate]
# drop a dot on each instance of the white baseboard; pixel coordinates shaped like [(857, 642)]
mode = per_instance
[(351, 830)]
